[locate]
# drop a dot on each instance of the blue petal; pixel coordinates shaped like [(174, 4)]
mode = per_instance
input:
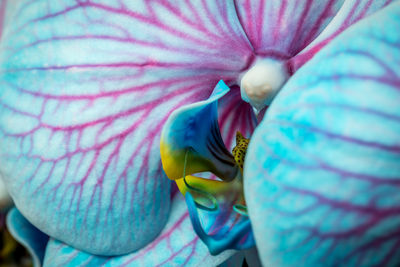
[(86, 87), (177, 245), (29, 236), (322, 173)]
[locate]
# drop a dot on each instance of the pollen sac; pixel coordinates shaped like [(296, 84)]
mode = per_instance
[(239, 151)]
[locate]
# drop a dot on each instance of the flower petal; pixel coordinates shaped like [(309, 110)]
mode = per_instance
[(280, 29), (29, 236), (235, 115), (322, 171), (2, 14), (350, 12), (86, 89), (177, 245)]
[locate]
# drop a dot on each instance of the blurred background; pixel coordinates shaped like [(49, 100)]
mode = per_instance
[(11, 252)]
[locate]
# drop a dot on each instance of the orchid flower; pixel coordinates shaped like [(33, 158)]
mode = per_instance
[(89, 88)]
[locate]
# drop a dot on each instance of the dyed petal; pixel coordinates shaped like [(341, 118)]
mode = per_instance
[(350, 12), (29, 236), (280, 29), (323, 175), (193, 131), (177, 245), (235, 115), (2, 14), (86, 89)]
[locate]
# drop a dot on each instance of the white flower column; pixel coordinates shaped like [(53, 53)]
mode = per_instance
[(260, 84)]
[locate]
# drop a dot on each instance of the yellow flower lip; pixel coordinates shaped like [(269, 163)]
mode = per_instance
[(191, 143)]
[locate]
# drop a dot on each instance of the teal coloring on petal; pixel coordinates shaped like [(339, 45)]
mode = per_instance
[(239, 237), (28, 235)]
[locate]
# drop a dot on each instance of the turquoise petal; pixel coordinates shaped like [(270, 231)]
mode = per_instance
[(322, 173), (177, 245), (28, 235), (86, 87)]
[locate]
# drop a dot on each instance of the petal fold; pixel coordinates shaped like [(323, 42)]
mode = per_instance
[(350, 12), (177, 245), (29, 236), (280, 29)]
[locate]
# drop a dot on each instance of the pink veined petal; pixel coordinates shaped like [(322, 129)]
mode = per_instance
[(2, 11), (282, 28), (235, 115), (85, 90), (27, 235), (177, 245), (350, 12)]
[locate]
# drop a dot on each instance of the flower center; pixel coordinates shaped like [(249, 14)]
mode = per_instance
[(260, 84)]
